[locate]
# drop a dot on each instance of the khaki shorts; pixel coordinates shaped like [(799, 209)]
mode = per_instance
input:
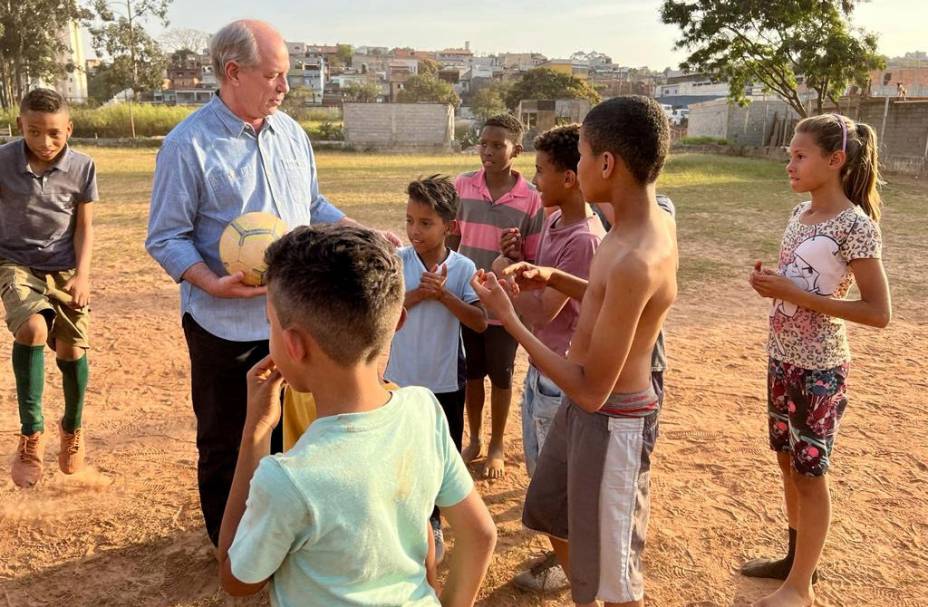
[(25, 292)]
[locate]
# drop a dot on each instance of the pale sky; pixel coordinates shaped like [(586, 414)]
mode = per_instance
[(628, 31)]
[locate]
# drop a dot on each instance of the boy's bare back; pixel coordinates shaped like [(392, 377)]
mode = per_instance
[(634, 268)]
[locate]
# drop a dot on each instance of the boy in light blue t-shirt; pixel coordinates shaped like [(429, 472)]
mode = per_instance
[(427, 350), (338, 519)]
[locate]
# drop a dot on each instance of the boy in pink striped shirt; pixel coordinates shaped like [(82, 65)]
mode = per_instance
[(494, 199)]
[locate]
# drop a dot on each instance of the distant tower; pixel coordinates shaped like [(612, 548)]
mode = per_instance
[(467, 45), (72, 85)]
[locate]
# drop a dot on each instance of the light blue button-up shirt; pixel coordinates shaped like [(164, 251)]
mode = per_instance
[(212, 168)]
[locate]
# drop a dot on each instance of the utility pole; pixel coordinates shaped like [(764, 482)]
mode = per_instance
[(135, 75)]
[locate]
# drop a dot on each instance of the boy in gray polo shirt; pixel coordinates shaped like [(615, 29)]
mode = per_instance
[(45, 242)]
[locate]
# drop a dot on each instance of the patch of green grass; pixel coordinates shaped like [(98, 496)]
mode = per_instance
[(702, 140)]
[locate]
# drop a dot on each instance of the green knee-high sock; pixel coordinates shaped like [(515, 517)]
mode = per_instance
[(29, 369), (74, 381)]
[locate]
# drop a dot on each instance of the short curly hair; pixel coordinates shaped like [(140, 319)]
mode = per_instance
[(45, 101), (635, 129), (343, 284), (438, 192), (560, 144), (509, 123)]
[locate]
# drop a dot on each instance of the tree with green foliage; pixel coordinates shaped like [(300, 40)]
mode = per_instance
[(136, 59), (30, 44), (544, 83), (181, 56), (344, 53), (428, 67), (341, 59), (489, 100), (298, 100), (778, 44), (102, 84), (428, 89), (361, 93)]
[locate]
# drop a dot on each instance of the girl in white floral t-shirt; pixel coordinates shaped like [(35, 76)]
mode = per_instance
[(830, 242)]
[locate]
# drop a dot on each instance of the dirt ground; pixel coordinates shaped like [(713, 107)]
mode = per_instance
[(128, 532)]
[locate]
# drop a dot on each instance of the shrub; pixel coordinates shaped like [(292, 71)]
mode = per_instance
[(702, 140), (113, 120), (467, 136), (324, 131), (151, 120)]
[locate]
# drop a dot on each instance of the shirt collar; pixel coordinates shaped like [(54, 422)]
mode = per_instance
[(234, 124), (271, 121), (21, 159), (63, 164), (519, 189)]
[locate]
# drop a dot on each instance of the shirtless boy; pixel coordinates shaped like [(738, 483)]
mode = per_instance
[(597, 454)]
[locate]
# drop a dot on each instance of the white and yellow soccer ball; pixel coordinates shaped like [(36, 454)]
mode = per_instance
[(244, 241)]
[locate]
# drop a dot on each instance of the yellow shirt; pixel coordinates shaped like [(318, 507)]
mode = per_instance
[(300, 411)]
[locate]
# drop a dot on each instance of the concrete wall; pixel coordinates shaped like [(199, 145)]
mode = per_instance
[(399, 126), (709, 119), (901, 126), (904, 135), (748, 126)]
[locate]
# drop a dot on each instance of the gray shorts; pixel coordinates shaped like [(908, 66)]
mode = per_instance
[(592, 488)]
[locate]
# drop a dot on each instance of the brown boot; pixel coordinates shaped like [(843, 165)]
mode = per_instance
[(71, 454), (27, 467)]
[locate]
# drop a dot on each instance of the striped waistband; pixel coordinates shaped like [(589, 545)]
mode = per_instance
[(631, 404)]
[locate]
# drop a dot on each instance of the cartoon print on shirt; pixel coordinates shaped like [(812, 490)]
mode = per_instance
[(816, 267), (804, 337)]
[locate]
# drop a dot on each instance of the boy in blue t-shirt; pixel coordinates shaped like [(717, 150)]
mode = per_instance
[(427, 349), (337, 519)]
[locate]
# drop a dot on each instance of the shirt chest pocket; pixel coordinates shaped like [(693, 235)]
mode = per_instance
[(295, 179), (232, 183)]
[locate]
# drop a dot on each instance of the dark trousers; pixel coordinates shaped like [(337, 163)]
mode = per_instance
[(452, 403), (218, 390)]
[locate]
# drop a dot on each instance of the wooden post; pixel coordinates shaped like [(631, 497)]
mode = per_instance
[(883, 126), (769, 137), (764, 130), (925, 155)]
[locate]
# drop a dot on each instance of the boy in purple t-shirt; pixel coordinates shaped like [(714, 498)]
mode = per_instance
[(570, 236)]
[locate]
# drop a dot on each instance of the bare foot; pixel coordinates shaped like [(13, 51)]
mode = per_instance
[(787, 596), (495, 466), (472, 451)]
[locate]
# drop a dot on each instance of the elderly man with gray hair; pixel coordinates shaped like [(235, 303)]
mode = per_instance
[(235, 155)]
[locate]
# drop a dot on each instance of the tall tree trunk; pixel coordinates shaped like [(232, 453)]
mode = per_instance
[(18, 84), (5, 88), (796, 103), (19, 77), (820, 96)]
